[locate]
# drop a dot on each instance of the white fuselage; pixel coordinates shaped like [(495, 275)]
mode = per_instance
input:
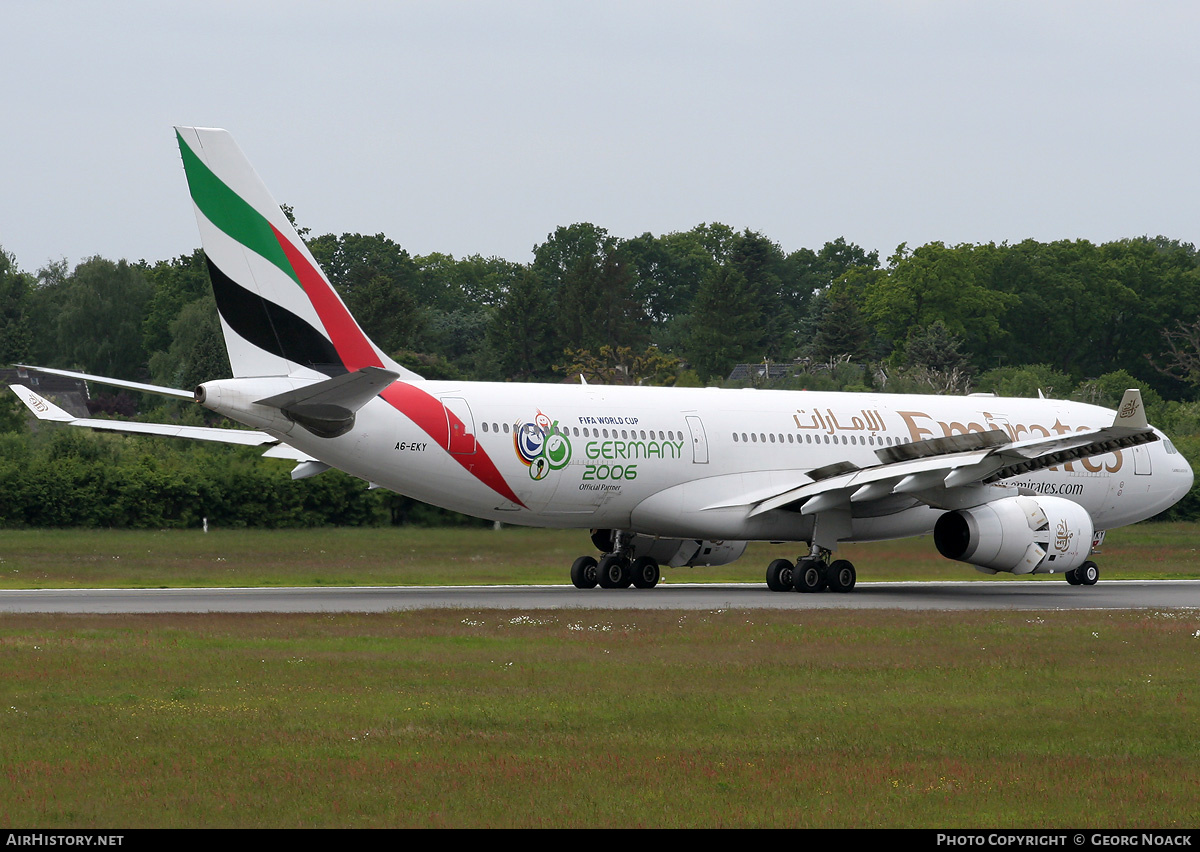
[(689, 463)]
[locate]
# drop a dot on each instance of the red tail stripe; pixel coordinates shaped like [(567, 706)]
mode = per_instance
[(351, 344), (357, 352)]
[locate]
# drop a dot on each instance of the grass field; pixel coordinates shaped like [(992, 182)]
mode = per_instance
[(467, 556), (723, 718), (587, 718)]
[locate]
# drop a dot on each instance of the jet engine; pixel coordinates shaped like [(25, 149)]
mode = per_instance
[(673, 551), (1024, 535)]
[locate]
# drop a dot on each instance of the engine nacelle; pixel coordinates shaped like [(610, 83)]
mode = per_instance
[(1023, 535), (675, 552)]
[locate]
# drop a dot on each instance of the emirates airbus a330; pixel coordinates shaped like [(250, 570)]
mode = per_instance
[(660, 476)]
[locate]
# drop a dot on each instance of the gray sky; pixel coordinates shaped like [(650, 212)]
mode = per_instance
[(479, 127)]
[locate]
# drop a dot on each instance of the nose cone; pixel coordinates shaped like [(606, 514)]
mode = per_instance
[(1178, 480), (1181, 477)]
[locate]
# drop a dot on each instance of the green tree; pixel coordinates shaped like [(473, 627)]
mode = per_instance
[(45, 305), (621, 365), (174, 283), (762, 264), (12, 412), (197, 350), (380, 284), (1163, 277), (1066, 306), (522, 337), (667, 271), (15, 291), (593, 288), (1027, 380), (724, 328), (935, 348), (936, 283), (100, 317), (1181, 361), (461, 297), (473, 282), (841, 330)]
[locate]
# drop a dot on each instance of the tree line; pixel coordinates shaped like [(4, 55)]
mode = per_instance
[(1071, 318)]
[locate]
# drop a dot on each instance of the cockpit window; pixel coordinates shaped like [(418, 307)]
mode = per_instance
[(1170, 447)]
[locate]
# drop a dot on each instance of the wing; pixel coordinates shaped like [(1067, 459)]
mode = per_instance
[(959, 471), (44, 409), (325, 403), (175, 393)]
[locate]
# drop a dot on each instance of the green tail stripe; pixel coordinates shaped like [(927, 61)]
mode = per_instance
[(230, 212)]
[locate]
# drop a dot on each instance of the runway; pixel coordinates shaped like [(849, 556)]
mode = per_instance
[(1006, 595)]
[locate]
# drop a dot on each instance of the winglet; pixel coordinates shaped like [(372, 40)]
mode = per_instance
[(42, 408), (1131, 413)]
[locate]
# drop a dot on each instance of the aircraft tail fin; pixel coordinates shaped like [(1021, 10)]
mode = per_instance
[(279, 313)]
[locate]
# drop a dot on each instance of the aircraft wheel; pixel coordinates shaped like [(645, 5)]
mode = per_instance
[(809, 576), (645, 573), (1088, 573), (841, 576), (613, 572), (779, 575), (1072, 576), (583, 573)]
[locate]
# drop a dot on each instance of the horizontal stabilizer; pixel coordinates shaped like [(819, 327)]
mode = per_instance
[(327, 408)]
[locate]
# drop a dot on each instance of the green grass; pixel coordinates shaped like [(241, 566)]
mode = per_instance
[(724, 718), (466, 556), (548, 718)]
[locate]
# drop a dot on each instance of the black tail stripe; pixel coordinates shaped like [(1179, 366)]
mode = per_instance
[(271, 327)]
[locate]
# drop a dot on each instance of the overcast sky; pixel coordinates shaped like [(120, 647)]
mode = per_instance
[(479, 127)]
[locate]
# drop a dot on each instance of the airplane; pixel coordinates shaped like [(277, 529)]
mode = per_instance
[(659, 476)]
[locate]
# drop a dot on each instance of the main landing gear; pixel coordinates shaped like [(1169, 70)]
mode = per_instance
[(618, 569), (814, 573), (1085, 575)]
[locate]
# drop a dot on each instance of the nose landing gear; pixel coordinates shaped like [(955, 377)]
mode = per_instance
[(1085, 575)]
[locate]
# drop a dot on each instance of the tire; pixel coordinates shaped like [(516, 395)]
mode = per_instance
[(645, 573), (1072, 576), (583, 573), (613, 572), (809, 576), (1088, 573), (779, 575), (842, 576)]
